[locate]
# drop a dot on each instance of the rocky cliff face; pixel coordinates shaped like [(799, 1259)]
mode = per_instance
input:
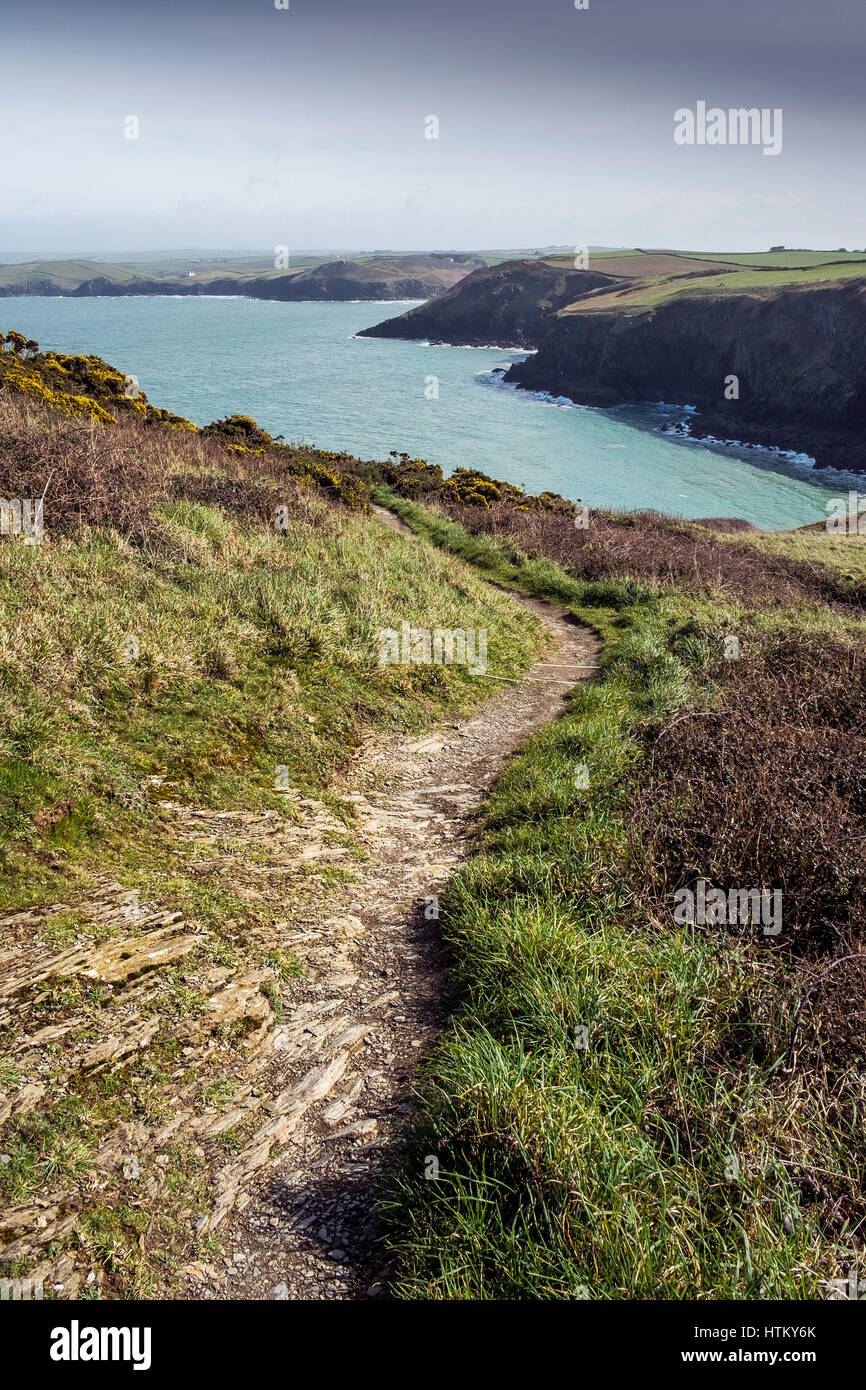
[(509, 305), (799, 356)]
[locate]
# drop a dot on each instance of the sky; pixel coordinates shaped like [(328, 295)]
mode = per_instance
[(307, 127)]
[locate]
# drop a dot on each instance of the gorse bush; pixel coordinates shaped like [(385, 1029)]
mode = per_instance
[(466, 487), (83, 387)]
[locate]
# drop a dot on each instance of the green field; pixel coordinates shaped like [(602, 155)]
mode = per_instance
[(782, 259), (684, 277), (65, 274)]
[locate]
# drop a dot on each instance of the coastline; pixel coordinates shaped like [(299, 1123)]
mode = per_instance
[(176, 293), (435, 343), (569, 457), (803, 465)]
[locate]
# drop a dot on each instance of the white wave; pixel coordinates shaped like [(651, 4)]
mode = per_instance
[(494, 378), (489, 347), (682, 430)]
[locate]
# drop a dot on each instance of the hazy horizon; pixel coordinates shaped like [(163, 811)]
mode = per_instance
[(204, 254), (307, 126)]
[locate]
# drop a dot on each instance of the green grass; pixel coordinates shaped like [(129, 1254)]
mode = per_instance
[(600, 606), (661, 289), (843, 555), (781, 259), (233, 653)]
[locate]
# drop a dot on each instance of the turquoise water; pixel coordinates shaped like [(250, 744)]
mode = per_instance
[(299, 371)]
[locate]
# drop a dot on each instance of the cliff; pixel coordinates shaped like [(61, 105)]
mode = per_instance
[(509, 304), (798, 353)]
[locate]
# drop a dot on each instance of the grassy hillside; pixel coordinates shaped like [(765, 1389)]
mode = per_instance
[(782, 259), (510, 303), (62, 276), (182, 637), (761, 280)]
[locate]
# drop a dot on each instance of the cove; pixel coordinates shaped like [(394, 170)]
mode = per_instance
[(299, 370)]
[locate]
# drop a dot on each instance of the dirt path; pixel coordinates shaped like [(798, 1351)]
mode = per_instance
[(373, 990)]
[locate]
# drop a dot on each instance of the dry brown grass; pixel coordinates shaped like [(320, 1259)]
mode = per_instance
[(653, 549), (767, 788), (96, 477)]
